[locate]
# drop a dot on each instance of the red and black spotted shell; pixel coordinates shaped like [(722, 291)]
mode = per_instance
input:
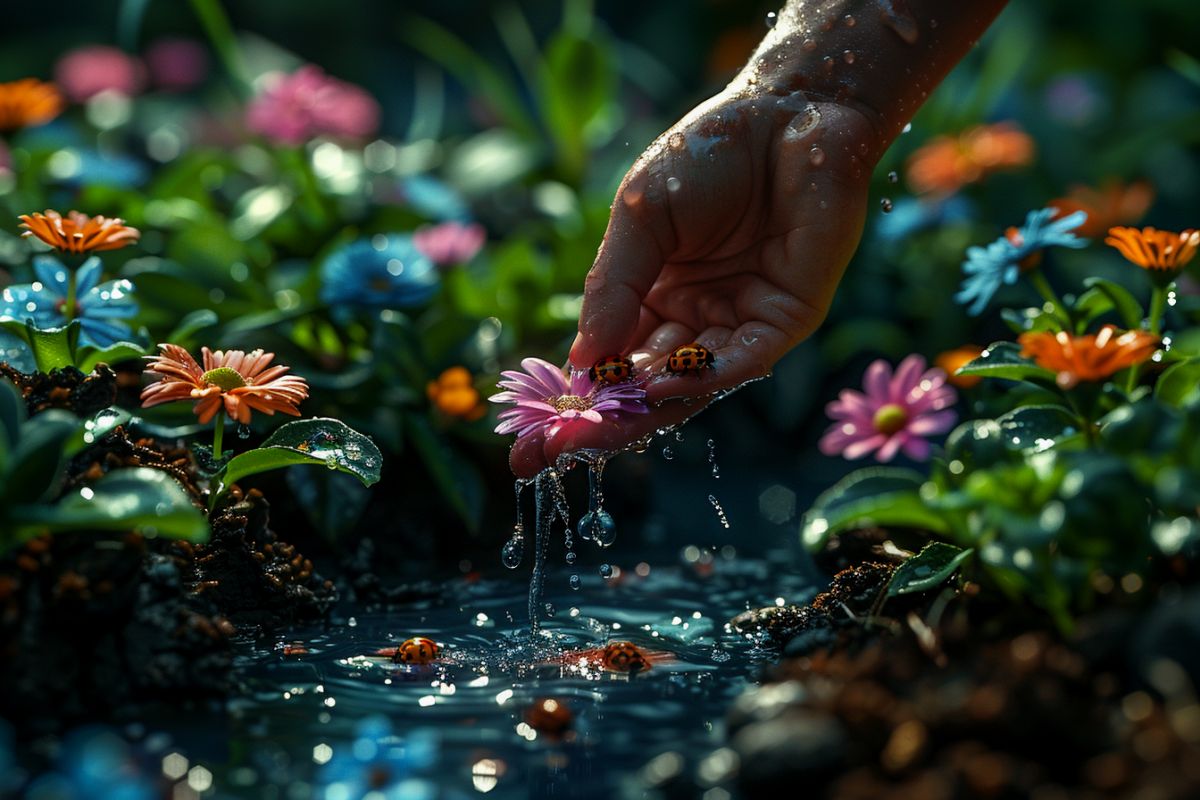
[(690, 358), (611, 369), (624, 657), (417, 650)]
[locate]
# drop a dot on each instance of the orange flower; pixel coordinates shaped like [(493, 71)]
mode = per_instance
[(1112, 204), (79, 233), (952, 361), (28, 102), (239, 381), (455, 395), (1087, 358), (1155, 250), (947, 163)]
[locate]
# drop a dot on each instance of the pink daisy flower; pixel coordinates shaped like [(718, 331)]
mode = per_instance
[(896, 412), (450, 242), (547, 400), (294, 108)]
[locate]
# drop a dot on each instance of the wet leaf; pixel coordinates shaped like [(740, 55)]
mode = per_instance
[(326, 442), (88, 357), (874, 496), (1127, 307), (197, 320), (1037, 427), (1179, 382), (96, 428), (53, 348), (36, 459), (146, 500), (929, 568), (12, 411), (1004, 360)]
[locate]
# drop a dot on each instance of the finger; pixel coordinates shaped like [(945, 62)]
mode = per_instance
[(527, 458), (627, 265), (745, 354), (613, 435), (661, 341)]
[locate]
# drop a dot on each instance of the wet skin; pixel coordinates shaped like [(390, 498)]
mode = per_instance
[(735, 226)]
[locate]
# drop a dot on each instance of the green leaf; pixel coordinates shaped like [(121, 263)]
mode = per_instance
[(1090, 305), (327, 442), (88, 357), (928, 569), (1004, 360), (874, 496), (146, 500), (53, 348), (195, 321), (1029, 319), (459, 484), (1179, 382), (1037, 427), (99, 426), (36, 460), (1128, 309), (12, 411)]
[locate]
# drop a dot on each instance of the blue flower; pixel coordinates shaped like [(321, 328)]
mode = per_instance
[(989, 268), (432, 198), (380, 272), (97, 305), (379, 763), (911, 215)]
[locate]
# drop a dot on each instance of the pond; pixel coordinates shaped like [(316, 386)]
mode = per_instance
[(322, 721)]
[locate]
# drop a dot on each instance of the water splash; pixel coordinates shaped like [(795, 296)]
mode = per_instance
[(716, 504)]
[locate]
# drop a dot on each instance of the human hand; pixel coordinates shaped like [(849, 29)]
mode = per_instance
[(731, 230)]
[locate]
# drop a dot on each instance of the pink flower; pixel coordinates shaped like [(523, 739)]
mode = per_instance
[(85, 72), (450, 242), (177, 64), (896, 413), (547, 400), (295, 108)]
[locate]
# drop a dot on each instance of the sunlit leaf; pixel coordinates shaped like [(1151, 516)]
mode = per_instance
[(928, 569), (1004, 360), (1179, 382), (1127, 307), (1037, 427), (885, 496)]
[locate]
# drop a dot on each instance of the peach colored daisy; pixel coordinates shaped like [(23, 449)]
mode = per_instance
[(948, 163), (1155, 250), (1113, 203), (78, 233), (237, 381), (27, 103), (1093, 357)]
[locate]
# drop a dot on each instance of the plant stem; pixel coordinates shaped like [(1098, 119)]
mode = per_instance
[(1048, 294), (216, 26), (218, 434), (69, 307), (1158, 305)]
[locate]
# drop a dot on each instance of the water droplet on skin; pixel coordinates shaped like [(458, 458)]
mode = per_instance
[(809, 45), (606, 571), (827, 61), (576, 582), (892, 177), (816, 156), (933, 23), (899, 21), (886, 205), (673, 184), (849, 20), (772, 19), (848, 56), (906, 128)]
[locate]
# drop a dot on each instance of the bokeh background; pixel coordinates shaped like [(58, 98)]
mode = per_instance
[(522, 118)]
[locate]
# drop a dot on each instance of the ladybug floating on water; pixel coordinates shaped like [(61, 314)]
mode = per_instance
[(417, 650), (690, 358), (611, 369), (550, 717), (624, 657)]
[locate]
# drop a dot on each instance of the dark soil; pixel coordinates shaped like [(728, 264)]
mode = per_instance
[(939, 696)]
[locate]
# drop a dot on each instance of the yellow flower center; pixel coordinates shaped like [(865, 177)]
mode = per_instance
[(570, 402), (227, 378), (890, 419)]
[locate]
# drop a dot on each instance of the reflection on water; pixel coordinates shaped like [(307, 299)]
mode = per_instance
[(325, 716)]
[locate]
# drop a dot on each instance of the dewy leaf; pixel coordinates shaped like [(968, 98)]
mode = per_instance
[(99, 426), (139, 499), (197, 320), (1004, 360), (35, 461), (1179, 382), (88, 357), (1037, 427), (327, 442), (53, 348), (1127, 307), (929, 568), (873, 496)]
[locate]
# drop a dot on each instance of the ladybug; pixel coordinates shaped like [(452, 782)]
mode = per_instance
[(417, 650), (624, 657), (690, 358), (611, 369), (550, 717)]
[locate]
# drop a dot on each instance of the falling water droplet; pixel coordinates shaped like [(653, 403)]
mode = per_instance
[(513, 551), (571, 557), (667, 454), (892, 177), (772, 18), (550, 609), (575, 582), (601, 526), (716, 504), (243, 431), (606, 571), (886, 205), (679, 436)]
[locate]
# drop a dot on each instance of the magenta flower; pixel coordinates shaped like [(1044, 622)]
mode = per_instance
[(896, 413), (177, 65), (295, 108), (85, 72), (450, 242), (546, 400)]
